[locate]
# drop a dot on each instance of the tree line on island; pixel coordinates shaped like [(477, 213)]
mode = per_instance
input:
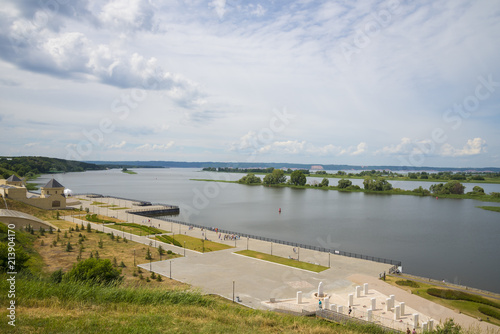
[(297, 178)]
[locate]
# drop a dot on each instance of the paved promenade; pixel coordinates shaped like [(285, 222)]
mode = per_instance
[(256, 282)]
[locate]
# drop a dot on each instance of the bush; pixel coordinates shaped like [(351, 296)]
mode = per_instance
[(57, 276), (95, 271), (344, 183), (409, 283), (489, 311), (459, 295)]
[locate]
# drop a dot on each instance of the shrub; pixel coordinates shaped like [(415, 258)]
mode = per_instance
[(57, 276), (94, 271), (489, 311), (459, 295), (409, 283)]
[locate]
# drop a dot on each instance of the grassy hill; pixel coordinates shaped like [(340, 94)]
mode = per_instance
[(32, 166)]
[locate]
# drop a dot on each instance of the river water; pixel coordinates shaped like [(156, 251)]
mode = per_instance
[(446, 239)]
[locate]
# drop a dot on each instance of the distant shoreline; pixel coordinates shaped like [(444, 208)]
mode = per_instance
[(483, 198)]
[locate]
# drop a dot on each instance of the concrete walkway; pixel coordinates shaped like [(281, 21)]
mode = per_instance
[(256, 282)]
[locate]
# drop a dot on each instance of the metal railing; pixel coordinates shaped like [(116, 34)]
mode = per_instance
[(293, 244), (256, 237)]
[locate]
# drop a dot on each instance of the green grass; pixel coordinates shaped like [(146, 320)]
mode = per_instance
[(490, 208), (120, 208), (408, 283), (77, 308), (129, 172), (490, 311), (467, 307), (281, 260), (136, 229), (192, 243), (460, 295)]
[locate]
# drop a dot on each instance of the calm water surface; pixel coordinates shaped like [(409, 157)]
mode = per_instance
[(443, 239)]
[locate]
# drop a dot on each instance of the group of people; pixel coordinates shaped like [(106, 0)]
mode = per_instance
[(412, 332), (228, 237)]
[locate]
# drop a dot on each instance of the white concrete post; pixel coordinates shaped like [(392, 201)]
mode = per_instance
[(333, 307), (431, 325), (350, 302), (392, 300), (424, 327), (415, 320), (358, 291), (327, 303), (340, 309), (299, 297), (370, 314), (388, 304), (402, 305), (397, 312), (365, 286), (374, 303)]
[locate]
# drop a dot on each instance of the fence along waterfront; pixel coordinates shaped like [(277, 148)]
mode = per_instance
[(395, 263)]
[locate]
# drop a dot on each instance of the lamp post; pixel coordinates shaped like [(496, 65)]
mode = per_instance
[(271, 248), (247, 242), (233, 291), (184, 249), (170, 269), (203, 242), (134, 257)]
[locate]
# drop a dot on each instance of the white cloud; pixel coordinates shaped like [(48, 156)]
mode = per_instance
[(155, 147), (404, 147), (31, 144), (473, 147), (120, 145), (361, 148), (219, 7), (130, 15)]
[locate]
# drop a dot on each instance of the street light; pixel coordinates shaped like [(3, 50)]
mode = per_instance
[(184, 249)]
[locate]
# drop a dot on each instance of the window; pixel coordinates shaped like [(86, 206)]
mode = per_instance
[(56, 204)]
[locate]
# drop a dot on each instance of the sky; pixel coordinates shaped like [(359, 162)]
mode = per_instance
[(404, 83)]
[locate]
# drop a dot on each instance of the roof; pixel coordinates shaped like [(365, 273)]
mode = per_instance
[(13, 178), (53, 184)]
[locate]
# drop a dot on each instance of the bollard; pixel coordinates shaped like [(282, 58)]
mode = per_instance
[(388, 304), (424, 327), (358, 291), (299, 297), (431, 325), (350, 302), (327, 303), (365, 286), (392, 300), (370, 315), (402, 305), (374, 303), (397, 312), (333, 307), (415, 320), (340, 309)]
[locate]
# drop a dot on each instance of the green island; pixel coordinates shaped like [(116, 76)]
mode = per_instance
[(125, 170), (371, 185), (284, 261), (490, 208), (441, 176)]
